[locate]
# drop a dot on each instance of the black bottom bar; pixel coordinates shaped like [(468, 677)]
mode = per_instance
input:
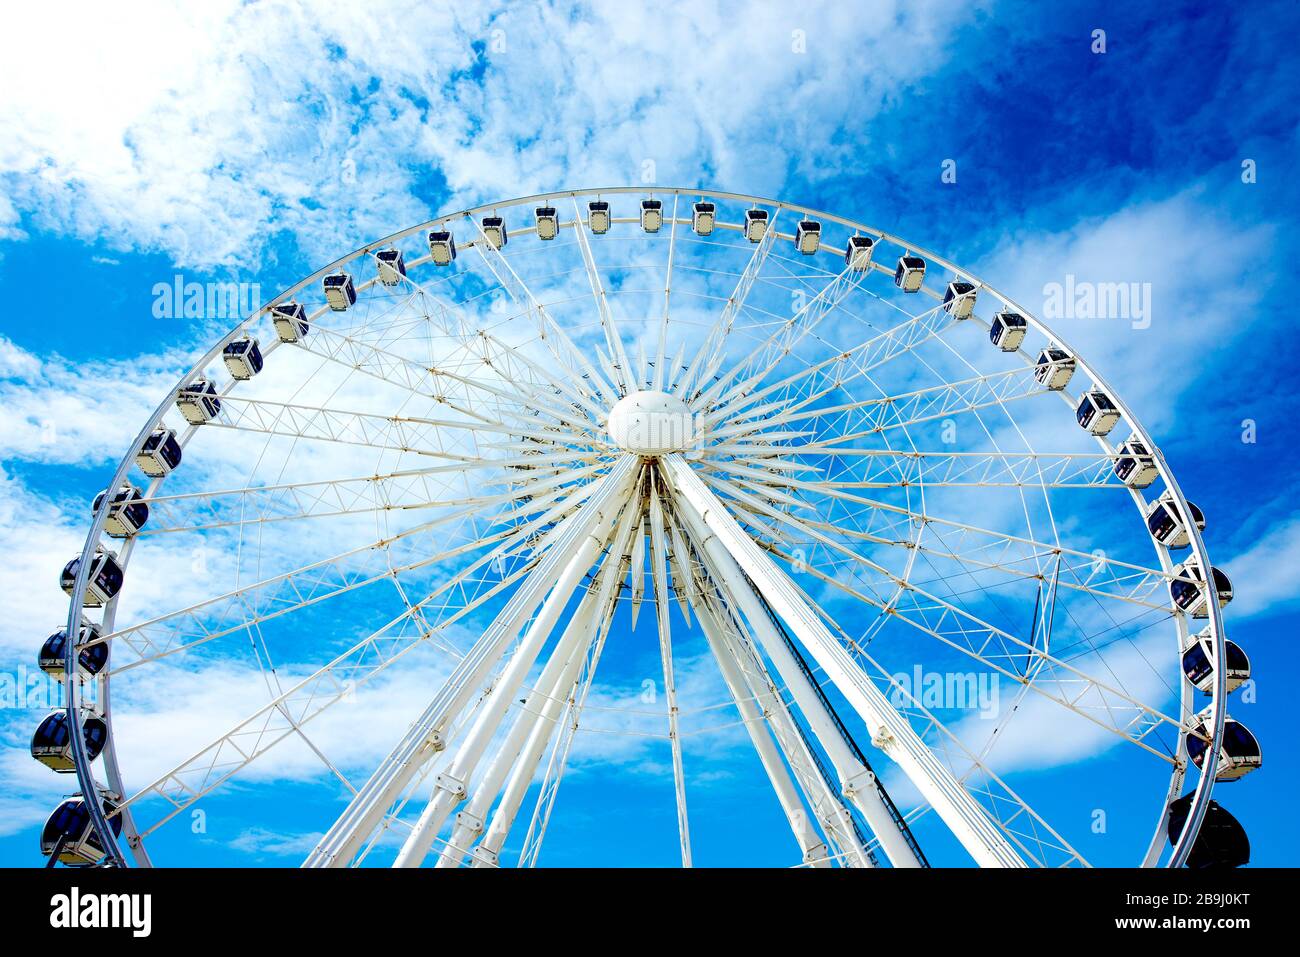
[(217, 907)]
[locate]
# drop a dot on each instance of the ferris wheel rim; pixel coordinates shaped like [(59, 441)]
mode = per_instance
[(84, 771)]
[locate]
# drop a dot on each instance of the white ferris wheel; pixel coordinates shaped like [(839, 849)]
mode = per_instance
[(494, 451)]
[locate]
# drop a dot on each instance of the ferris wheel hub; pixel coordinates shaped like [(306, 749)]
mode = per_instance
[(651, 423)]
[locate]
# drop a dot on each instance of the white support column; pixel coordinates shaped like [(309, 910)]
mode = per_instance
[(554, 682), (659, 576), (856, 781), (811, 846), (890, 732), (542, 720), (539, 731), (573, 644), (452, 783), (828, 804), (424, 739)]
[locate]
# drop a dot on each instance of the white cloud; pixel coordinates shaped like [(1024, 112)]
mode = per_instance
[(261, 842), (36, 537), (201, 130), (26, 814), (1264, 575), (1203, 267), (1043, 733), (59, 411), (9, 220)]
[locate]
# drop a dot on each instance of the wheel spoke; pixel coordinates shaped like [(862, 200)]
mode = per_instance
[(562, 348), (282, 594), (409, 489), (710, 356)]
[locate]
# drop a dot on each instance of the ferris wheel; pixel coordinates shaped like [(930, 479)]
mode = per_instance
[(825, 480)]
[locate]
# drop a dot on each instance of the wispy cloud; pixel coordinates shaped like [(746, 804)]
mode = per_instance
[(261, 842), (1265, 574), (211, 130)]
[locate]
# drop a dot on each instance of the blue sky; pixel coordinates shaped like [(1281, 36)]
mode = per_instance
[(255, 142)]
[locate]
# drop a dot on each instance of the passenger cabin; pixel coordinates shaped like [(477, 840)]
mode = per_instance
[(159, 454), (808, 236), (652, 215), (1054, 368), (1136, 466), (339, 291), (52, 741), (598, 216), (290, 321), (1239, 753), (243, 358), (91, 659), (69, 835), (1188, 588), (1008, 330), (703, 217), (392, 267), (494, 228), (442, 247), (198, 402), (1220, 843), (909, 274), (857, 255), (1166, 524), (103, 582), (1096, 412), (548, 222), (1198, 662), (959, 299), (127, 512), (755, 224)]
